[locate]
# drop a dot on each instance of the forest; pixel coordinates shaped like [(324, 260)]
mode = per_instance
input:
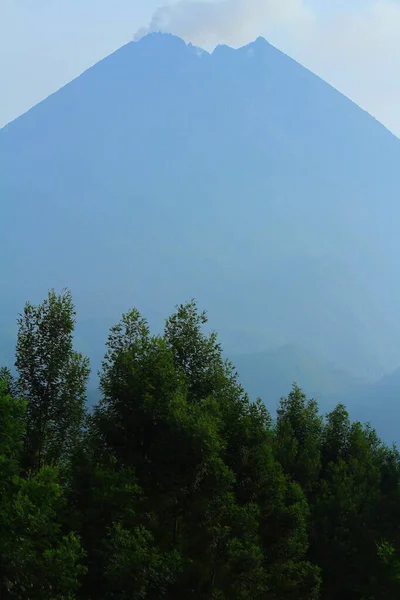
[(175, 485)]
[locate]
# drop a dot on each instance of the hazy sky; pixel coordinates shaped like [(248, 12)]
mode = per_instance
[(353, 44)]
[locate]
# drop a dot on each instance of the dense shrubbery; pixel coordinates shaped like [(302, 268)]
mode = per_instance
[(176, 486)]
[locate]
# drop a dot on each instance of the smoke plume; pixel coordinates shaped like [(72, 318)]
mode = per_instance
[(234, 22), (353, 44)]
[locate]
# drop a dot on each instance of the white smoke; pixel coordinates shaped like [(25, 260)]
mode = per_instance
[(234, 22), (354, 45)]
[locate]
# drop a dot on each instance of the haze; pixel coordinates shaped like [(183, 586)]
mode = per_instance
[(353, 45), (198, 166)]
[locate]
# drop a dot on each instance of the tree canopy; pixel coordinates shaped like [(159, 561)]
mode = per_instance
[(175, 485)]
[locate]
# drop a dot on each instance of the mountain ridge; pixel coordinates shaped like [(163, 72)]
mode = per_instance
[(260, 41), (238, 178)]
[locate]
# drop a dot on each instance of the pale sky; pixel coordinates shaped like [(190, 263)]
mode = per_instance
[(353, 44)]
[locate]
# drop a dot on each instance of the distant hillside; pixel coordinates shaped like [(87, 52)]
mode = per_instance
[(270, 375), (237, 177), (379, 404)]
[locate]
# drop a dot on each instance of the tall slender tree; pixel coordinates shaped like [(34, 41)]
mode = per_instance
[(52, 378), (298, 438)]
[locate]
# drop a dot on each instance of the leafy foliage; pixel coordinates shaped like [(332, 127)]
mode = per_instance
[(177, 486), (51, 377)]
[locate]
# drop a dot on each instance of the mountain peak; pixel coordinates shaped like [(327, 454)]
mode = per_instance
[(261, 42), (228, 179), (160, 38)]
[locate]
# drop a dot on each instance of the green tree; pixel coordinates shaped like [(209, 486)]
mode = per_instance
[(178, 486), (37, 560), (197, 355), (8, 381), (52, 377), (148, 422), (134, 568), (335, 443), (298, 438), (278, 510), (345, 529), (12, 427)]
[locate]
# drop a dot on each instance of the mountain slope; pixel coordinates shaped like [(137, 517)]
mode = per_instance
[(237, 177), (379, 403), (270, 375)]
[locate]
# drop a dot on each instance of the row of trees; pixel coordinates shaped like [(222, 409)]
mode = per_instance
[(175, 485)]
